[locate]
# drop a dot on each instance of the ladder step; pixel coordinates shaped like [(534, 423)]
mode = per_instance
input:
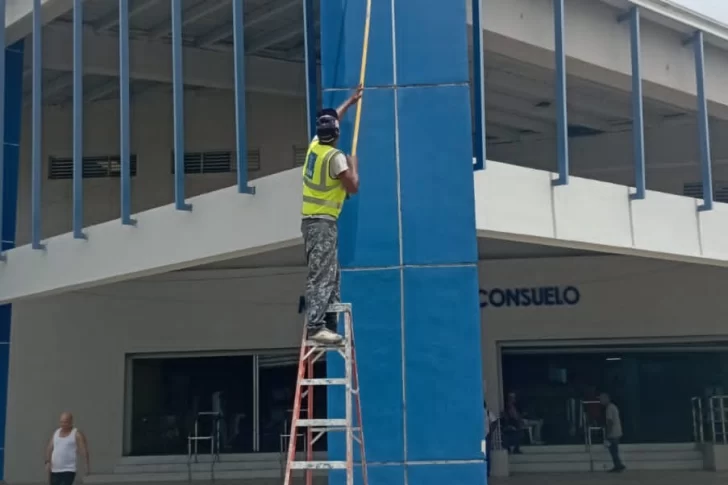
[(318, 465), (322, 423), (319, 345), (339, 308), (323, 382)]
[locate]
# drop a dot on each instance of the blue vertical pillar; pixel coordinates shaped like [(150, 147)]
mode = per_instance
[(178, 104), (78, 120), (638, 117), (13, 104), (309, 39), (36, 184), (408, 241), (706, 161), (480, 139), (241, 133), (562, 115), (125, 114)]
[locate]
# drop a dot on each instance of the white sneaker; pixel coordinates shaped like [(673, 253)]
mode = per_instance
[(326, 336)]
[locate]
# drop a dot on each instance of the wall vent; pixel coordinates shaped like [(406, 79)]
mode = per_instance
[(217, 161), (695, 190), (104, 166), (299, 155)]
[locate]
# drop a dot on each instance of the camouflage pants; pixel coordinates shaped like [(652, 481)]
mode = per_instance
[(323, 283)]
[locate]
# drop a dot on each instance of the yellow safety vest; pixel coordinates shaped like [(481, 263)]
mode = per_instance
[(322, 194)]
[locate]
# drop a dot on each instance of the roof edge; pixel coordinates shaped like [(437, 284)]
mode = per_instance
[(685, 16)]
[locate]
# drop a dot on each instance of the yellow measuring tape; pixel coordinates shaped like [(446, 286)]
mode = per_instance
[(362, 76)]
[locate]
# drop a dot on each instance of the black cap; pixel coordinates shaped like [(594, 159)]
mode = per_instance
[(327, 125)]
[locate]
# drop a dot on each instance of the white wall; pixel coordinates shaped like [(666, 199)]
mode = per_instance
[(621, 298), (68, 351), (275, 125), (523, 204)]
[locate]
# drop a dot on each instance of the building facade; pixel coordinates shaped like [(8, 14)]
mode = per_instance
[(542, 213)]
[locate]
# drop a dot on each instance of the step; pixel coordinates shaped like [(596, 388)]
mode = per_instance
[(550, 467), (530, 462), (576, 458), (178, 464), (200, 477), (604, 465), (658, 446), (529, 457), (339, 308), (695, 464), (324, 382), (135, 470), (320, 346), (202, 457), (318, 465), (625, 447), (322, 423), (198, 467)]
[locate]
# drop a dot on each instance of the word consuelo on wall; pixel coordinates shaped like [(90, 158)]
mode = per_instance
[(526, 297)]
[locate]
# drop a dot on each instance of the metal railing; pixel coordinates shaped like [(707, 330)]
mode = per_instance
[(496, 436), (710, 417), (589, 430), (194, 439)]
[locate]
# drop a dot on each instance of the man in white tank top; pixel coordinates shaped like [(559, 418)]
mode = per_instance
[(62, 452)]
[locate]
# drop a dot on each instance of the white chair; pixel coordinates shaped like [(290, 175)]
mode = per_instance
[(530, 426)]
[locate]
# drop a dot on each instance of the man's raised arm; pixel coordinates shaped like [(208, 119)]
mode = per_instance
[(351, 101)]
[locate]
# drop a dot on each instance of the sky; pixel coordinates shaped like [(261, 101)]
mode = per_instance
[(717, 9)]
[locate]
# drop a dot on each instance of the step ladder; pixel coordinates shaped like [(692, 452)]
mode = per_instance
[(311, 352)]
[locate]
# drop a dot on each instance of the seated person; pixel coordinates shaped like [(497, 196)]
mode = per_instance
[(516, 419), (511, 433)]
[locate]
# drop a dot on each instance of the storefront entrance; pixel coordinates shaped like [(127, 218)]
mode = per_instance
[(652, 386)]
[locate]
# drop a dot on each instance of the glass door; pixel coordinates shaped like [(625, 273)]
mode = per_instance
[(652, 388)]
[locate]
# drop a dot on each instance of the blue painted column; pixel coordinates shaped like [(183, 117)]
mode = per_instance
[(408, 241), (13, 108)]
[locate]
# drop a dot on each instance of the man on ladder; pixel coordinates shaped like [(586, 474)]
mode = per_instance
[(328, 177)]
